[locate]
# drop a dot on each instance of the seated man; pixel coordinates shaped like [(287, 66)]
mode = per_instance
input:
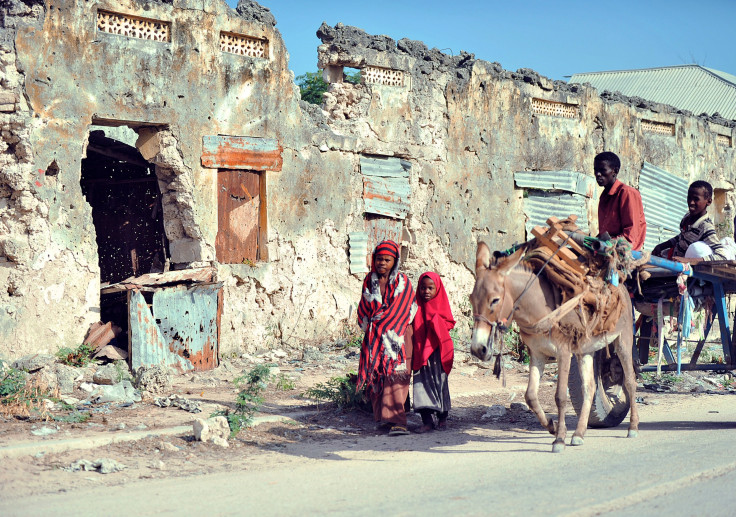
[(697, 240), (620, 210)]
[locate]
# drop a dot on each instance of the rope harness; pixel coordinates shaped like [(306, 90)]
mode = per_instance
[(501, 326)]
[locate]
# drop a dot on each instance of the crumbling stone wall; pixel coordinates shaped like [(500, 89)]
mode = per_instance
[(465, 125)]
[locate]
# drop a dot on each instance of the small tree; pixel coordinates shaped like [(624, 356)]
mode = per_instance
[(312, 85)]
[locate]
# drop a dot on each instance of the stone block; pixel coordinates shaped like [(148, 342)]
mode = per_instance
[(215, 430), (184, 251), (7, 108), (148, 143), (34, 362)]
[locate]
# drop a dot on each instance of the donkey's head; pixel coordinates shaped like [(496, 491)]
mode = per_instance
[(492, 305)]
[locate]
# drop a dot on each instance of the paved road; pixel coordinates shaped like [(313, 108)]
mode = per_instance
[(683, 464)]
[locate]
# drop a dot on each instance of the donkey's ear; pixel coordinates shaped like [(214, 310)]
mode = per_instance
[(505, 265), (482, 257)]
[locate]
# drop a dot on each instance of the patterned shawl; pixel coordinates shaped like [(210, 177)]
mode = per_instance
[(384, 321), (432, 325)]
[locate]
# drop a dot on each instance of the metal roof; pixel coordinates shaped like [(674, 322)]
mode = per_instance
[(665, 203), (688, 87)]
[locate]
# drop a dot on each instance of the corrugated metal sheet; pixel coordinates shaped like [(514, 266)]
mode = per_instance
[(382, 229), (665, 203), (241, 152), (690, 87), (540, 206), (386, 196), (181, 331), (203, 274), (385, 167), (566, 181), (358, 243), (386, 188)]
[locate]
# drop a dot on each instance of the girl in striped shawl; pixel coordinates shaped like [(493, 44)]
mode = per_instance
[(384, 313)]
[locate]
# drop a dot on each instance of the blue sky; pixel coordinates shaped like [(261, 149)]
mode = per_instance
[(555, 38)]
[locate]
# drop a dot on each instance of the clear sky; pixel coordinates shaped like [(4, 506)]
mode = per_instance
[(555, 38)]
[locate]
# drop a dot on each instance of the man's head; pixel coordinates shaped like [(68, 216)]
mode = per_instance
[(699, 198), (605, 167)]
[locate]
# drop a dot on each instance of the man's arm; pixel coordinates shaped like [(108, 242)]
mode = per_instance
[(631, 213)]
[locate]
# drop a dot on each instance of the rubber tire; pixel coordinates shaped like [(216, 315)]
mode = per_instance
[(610, 404)]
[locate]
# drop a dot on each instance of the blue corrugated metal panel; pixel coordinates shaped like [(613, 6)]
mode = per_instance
[(382, 229), (241, 152), (180, 333), (690, 87), (358, 242), (566, 181), (540, 206), (386, 196), (385, 167), (665, 203)]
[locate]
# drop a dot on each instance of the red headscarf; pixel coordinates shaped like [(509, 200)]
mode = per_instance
[(432, 325), (384, 320)]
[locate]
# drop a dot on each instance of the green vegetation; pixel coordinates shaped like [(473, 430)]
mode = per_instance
[(79, 357), (340, 390), (21, 396), (312, 85), (75, 417), (249, 398), (283, 383), (513, 343)]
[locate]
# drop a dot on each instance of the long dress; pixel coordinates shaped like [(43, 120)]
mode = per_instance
[(433, 350)]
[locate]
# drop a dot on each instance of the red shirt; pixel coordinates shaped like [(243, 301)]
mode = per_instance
[(621, 214)]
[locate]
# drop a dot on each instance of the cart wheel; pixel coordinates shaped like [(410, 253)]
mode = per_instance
[(610, 404)]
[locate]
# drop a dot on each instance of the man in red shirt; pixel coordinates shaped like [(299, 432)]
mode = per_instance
[(620, 210)]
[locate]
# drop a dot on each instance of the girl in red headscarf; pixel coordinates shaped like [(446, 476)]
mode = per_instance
[(433, 352), (384, 313)]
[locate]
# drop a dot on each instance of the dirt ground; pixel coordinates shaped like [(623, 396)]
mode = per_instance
[(311, 431)]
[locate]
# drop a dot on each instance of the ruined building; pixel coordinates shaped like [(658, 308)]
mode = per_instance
[(165, 140)]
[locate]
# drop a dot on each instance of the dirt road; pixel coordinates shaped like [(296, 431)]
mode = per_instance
[(324, 461)]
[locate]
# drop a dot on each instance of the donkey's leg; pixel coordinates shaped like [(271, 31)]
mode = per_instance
[(585, 366), (624, 345), (536, 368), (563, 372)]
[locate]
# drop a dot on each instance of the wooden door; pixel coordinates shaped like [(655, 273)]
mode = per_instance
[(238, 216)]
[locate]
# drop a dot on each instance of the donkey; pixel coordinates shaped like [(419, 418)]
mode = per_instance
[(508, 290)]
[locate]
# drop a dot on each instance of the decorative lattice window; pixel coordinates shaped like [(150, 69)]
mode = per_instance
[(723, 140), (659, 128), (384, 76), (243, 45), (555, 109), (133, 26)]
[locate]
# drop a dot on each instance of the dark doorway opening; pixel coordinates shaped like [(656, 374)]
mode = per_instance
[(123, 191)]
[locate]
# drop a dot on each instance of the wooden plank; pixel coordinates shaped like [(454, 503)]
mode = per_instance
[(563, 253), (241, 152)]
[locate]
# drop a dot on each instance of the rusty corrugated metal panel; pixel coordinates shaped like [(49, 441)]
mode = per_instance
[(386, 188), (181, 331), (540, 206), (382, 229), (565, 181), (238, 215), (358, 243), (241, 152), (196, 275), (665, 203)]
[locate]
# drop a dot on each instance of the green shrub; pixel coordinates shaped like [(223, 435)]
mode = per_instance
[(283, 383), (79, 357), (340, 390), (249, 399)]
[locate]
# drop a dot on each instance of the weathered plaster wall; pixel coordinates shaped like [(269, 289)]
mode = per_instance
[(465, 125)]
